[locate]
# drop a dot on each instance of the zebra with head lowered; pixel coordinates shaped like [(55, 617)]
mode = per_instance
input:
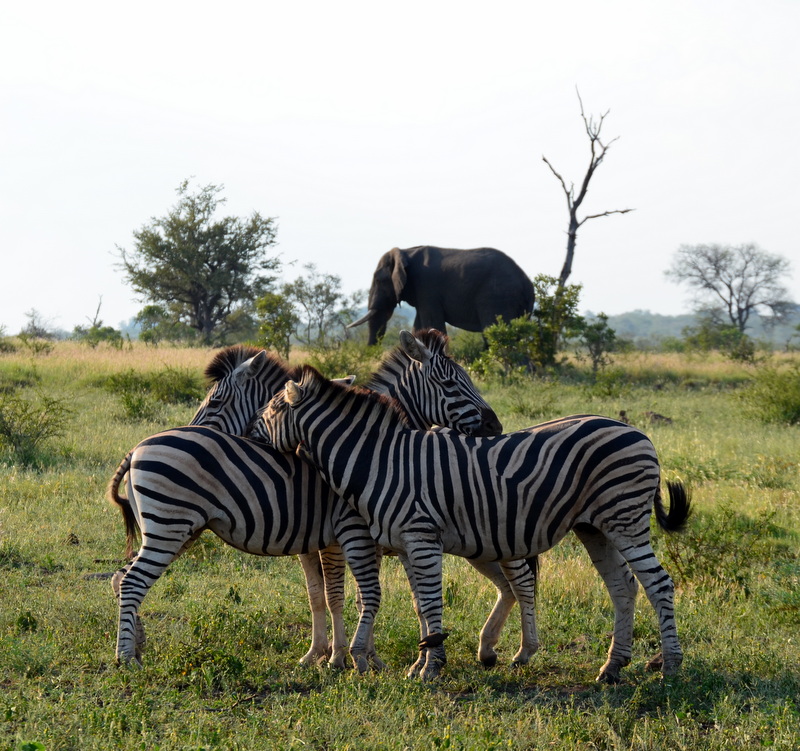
[(423, 493), (183, 481)]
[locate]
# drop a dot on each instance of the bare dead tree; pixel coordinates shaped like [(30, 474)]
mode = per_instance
[(598, 152)]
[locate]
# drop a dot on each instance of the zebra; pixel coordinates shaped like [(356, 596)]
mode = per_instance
[(179, 483), (501, 498)]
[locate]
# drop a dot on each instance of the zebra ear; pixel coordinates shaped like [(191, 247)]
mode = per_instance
[(256, 364), (294, 393), (414, 348), (346, 381), (251, 367)]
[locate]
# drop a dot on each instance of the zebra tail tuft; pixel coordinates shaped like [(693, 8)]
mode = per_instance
[(124, 505), (679, 507)]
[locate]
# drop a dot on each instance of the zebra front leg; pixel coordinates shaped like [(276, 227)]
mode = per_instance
[(315, 585), (423, 558), (416, 668), (490, 633), (334, 570), (622, 589), (360, 552)]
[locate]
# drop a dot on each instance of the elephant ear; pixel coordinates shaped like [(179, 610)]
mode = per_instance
[(399, 271)]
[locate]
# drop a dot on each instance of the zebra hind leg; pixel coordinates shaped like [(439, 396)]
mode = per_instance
[(661, 593), (622, 588), (490, 633), (140, 639), (132, 586)]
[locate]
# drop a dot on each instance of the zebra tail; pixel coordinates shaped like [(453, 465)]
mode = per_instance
[(124, 505), (679, 507)]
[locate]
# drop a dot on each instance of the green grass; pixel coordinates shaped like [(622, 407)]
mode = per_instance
[(225, 630)]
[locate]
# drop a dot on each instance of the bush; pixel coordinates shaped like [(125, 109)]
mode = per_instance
[(721, 548), (345, 358), (26, 424), (141, 393), (773, 396)]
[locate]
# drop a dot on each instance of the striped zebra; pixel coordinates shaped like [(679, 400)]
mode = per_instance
[(423, 493), (183, 481)]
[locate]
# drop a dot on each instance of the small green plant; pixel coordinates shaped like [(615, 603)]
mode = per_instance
[(720, 548), (18, 376), (35, 345), (25, 424), (599, 340), (773, 396), (344, 358), (141, 393), (278, 322)]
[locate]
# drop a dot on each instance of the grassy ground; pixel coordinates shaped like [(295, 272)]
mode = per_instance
[(226, 630)]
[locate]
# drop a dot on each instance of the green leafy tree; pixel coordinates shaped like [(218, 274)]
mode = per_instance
[(599, 339), (200, 269), (557, 316), (96, 333), (156, 325), (732, 282), (323, 310), (278, 322), (526, 345)]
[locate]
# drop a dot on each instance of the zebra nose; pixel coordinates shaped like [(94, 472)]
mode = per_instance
[(490, 424)]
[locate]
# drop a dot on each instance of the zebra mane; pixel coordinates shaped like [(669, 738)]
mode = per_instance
[(396, 359), (310, 373), (230, 358)]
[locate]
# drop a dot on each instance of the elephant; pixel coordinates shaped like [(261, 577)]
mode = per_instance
[(465, 288)]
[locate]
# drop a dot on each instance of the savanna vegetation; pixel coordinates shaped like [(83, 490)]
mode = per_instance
[(225, 630)]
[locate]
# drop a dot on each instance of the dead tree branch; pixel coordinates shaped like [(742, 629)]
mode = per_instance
[(598, 151)]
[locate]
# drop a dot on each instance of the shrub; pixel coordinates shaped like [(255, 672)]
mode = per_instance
[(345, 358), (721, 548), (141, 393), (26, 424), (773, 396)]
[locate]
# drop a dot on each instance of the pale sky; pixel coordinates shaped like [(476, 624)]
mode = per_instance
[(363, 126)]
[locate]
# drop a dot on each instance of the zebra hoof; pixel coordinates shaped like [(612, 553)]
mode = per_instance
[(134, 663), (377, 663), (609, 678), (489, 662)]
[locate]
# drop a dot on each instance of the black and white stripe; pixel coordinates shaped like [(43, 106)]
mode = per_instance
[(423, 493), (183, 481)]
